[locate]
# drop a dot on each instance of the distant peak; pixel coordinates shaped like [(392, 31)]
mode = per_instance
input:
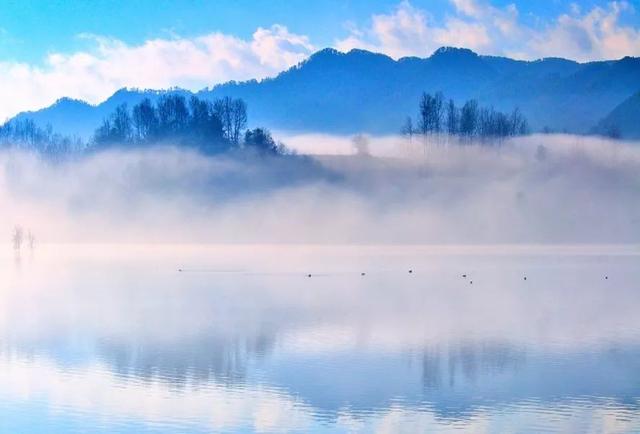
[(326, 52), (65, 100), (360, 51), (333, 53), (453, 51)]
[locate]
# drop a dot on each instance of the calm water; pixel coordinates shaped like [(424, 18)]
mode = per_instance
[(116, 339)]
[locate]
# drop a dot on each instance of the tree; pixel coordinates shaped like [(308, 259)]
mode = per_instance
[(612, 131), (518, 123), (116, 129), (233, 115), (453, 118), (438, 106), (205, 127), (260, 140), (145, 121), (239, 120), (408, 128), (173, 115), (430, 113), (17, 238), (469, 118), (121, 124)]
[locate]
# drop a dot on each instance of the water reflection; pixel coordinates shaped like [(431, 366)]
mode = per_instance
[(115, 339)]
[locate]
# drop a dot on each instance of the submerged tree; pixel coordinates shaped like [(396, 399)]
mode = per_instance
[(17, 237)]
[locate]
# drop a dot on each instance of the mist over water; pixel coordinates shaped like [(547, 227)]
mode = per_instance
[(536, 189), (264, 324), (112, 338)]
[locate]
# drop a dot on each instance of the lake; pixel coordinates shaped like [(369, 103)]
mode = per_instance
[(320, 339)]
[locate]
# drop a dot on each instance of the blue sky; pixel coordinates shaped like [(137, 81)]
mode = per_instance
[(88, 49), (32, 28)]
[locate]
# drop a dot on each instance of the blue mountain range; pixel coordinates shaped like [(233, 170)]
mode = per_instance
[(361, 91)]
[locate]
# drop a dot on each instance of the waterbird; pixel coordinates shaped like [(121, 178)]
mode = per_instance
[(410, 271), (464, 275), (606, 277), (471, 282), (308, 275), (362, 274), (525, 277)]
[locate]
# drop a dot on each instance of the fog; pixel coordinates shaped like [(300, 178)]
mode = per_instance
[(535, 189)]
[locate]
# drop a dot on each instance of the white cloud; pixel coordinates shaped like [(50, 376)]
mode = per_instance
[(405, 32), (409, 31), (476, 24), (159, 63), (597, 34)]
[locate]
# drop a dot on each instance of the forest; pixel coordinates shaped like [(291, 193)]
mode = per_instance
[(208, 127), (437, 116)]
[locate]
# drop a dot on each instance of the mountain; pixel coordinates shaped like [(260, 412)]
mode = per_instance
[(624, 120), (77, 118), (361, 91)]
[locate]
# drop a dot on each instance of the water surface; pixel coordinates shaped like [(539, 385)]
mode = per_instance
[(117, 339)]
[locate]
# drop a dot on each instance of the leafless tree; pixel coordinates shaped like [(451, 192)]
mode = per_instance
[(233, 115)]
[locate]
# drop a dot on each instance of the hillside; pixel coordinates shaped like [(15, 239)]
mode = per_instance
[(624, 120)]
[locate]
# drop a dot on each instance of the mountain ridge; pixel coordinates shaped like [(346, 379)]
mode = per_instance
[(362, 91)]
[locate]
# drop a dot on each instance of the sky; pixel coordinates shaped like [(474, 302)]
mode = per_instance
[(88, 50)]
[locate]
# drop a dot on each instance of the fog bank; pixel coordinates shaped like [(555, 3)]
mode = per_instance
[(536, 189)]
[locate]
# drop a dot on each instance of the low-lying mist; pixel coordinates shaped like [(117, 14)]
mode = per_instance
[(535, 189)]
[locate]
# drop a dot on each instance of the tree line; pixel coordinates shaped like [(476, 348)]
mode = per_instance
[(211, 127), (26, 134), (437, 116)]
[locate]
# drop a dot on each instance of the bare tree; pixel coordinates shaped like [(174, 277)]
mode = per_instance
[(222, 109), (431, 109), (233, 115), (238, 120), (453, 118), (408, 129), (145, 120), (469, 118)]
